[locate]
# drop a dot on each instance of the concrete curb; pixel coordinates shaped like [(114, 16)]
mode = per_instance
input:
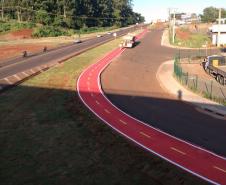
[(172, 86)]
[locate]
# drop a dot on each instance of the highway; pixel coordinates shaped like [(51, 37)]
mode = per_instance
[(22, 64), (129, 99)]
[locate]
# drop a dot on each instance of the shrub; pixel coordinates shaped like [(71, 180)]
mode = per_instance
[(49, 31)]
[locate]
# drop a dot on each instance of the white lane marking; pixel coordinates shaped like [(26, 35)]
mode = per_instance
[(32, 71), (24, 73), (107, 111), (7, 80), (144, 134), (220, 169), (123, 122), (177, 150), (17, 77)]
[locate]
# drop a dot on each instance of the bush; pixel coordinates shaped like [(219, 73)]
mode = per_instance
[(50, 31), (43, 17), (13, 26), (4, 27)]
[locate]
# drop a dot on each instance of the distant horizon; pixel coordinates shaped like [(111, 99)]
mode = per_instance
[(153, 10)]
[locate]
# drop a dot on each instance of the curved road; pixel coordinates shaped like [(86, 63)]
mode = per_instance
[(130, 83), (191, 158)]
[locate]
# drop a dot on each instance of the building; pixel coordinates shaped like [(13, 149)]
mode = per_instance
[(187, 18), (222, 21), (214, 34)]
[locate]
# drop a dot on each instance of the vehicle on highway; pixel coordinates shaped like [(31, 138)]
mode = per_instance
[(77, 41), (128, 41), (215, 66), (109, 33), (98, 36)]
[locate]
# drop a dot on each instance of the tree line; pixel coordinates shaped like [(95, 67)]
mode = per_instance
[(73, 14)]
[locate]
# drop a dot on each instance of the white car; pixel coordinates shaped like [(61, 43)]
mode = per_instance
[(77, 41), (98, 36)]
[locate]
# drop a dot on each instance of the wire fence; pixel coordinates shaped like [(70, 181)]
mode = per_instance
[(210, 89)]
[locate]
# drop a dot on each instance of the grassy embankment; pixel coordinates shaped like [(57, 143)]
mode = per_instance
[(49, 31), (49, 137), (185, 38)]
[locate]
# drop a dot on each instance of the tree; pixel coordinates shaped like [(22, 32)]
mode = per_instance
[(72, 13), (210, 14)]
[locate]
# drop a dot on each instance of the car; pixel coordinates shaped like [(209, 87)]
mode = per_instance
[(98, 36), (109, 33), (77, 41)]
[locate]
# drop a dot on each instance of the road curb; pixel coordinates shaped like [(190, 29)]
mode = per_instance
[(172, 86)]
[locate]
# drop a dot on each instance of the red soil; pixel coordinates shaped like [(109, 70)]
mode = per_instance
[(16, 50), (20, 34), (184, 35)]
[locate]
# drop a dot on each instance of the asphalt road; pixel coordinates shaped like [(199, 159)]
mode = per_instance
[(22, 64), (130, 83)]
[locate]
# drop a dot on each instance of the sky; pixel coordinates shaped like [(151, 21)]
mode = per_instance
[(158, 9)]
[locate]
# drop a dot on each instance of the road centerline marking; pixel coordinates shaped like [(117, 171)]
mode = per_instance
[(123, 122), (144, 134), (107, 111), (220, 169), (177, 150)]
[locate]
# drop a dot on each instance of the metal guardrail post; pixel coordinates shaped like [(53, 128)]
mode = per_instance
[(211, 89)]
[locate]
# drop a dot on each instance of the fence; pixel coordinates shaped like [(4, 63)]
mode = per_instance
[(210, 89), (196, 54)]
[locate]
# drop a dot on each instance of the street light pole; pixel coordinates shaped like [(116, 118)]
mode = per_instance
[(219, 31), (174, 22)]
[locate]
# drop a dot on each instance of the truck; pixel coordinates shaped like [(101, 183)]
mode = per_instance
[(128, 41), (215, 66)]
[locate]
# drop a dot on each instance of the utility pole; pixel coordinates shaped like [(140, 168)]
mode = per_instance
[(174, 22), (219, 26)]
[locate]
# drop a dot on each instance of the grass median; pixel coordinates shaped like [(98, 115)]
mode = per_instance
[(47, 136)]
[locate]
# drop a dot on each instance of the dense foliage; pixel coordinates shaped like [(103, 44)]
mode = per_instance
[(210, 14), (73, 14)]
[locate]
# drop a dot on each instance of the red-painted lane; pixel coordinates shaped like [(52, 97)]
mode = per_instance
[(193, 159)]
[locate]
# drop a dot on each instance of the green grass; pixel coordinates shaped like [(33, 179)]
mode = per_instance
[(196, 40), (47, 136), (6, 27)]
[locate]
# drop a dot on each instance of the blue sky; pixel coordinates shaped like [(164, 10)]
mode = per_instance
[(155, 9)]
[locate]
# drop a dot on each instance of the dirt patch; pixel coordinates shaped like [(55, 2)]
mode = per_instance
[(183, 34), (20, 34), (196, 69), (10, 51)]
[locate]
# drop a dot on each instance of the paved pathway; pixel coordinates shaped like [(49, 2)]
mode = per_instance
[(193, 159)]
